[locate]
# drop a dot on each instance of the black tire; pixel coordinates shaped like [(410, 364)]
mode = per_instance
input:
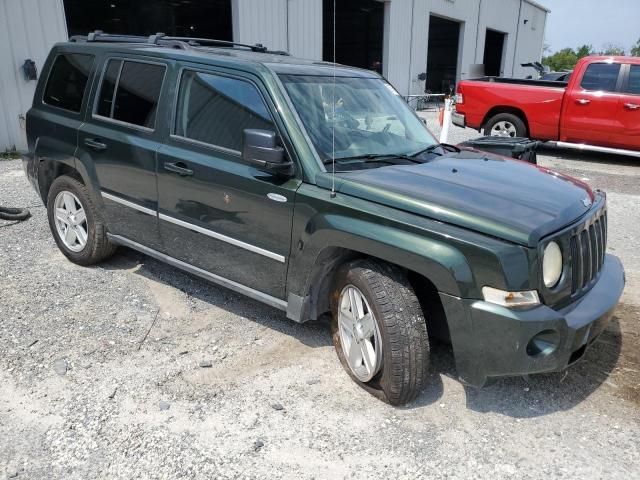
[(98, 246), (402, 327), (14, 214), (517, 122)]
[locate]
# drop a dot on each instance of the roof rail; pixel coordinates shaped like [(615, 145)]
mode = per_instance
[(201, 42), (157, 39), (164, 40)]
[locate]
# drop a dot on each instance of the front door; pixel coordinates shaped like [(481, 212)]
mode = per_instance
[(118, 144), (216, 212), (628, 137), (590, 109)]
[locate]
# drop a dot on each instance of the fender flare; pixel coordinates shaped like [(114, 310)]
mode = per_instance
[(330, 240)]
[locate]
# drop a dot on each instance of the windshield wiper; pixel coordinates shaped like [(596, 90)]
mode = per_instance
[(375, 157), (432, 148)]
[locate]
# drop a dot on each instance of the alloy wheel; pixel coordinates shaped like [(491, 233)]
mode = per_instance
[(71, 221), (359, 334), (504, 129)]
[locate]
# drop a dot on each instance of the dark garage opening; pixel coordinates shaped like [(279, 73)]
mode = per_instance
[(442, 54), (359, 33), (493, 49), (194, 18)]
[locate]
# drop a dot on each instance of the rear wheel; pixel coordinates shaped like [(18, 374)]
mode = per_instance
[(505, 125), (75, 223), (379, 331)]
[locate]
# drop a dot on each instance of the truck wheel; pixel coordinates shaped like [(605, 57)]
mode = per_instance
[(379, 330), (75, 223), (505, 125)]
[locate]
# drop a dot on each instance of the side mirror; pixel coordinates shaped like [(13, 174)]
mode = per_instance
[(259, 147)]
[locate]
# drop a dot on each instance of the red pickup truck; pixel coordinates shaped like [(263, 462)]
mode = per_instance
[(598, 109)]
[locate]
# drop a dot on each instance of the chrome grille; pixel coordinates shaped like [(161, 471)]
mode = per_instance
[(588, 248)]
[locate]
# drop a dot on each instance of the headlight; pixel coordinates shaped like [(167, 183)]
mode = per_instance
[(551, 264)]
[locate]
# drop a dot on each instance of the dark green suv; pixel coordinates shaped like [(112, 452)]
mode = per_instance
[(312, 187)]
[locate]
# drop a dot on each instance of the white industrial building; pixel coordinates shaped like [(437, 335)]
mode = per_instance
[(417, 45)]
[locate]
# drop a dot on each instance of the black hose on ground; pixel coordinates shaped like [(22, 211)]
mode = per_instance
[(16, 214)]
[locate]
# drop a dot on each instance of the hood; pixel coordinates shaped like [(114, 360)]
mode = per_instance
[(501, 197)]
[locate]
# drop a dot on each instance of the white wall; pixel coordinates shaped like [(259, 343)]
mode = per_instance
[(501, 16), (305, 28), (28, 29), (530, 38), (475, 16), (292, 25), (259, 21)]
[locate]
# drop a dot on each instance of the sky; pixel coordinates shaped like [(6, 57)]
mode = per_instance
[(577, 22)]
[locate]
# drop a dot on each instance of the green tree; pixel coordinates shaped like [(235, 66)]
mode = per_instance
[(564, 59), (635, 50), (584, 51), (612, 49)]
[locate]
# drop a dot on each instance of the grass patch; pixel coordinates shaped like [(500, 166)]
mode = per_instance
[(10, 155)]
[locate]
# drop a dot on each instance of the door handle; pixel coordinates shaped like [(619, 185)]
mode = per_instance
[(179, 167), (95, 144), (583, 101), (631, 106)]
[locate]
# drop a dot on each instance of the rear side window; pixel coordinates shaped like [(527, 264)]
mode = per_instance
[(105, 100), (214, 109), (601, 77), (130, 92), (67, 81), (634, 80)]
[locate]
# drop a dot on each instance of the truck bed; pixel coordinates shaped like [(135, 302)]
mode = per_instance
[(522, 81), (539, 101)]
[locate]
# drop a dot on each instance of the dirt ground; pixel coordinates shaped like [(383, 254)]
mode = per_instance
[(104, 373)]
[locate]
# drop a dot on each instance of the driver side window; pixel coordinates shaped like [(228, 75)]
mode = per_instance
[(215, 109)]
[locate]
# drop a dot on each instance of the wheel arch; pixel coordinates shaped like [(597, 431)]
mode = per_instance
[(50, 169), (432, 265)]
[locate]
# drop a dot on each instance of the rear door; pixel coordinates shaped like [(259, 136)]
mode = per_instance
[(628, 136), (118, 143), (216, 212), (591, 106)]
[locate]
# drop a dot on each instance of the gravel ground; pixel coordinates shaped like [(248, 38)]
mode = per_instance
[(132, 369)]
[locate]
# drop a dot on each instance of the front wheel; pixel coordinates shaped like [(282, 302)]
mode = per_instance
[(379, 330), (505, 125)]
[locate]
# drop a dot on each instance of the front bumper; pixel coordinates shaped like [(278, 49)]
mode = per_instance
[(491, 341), (458, 119)]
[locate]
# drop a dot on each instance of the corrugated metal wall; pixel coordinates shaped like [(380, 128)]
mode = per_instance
[(28, 29), (292, 25), (305, 28)]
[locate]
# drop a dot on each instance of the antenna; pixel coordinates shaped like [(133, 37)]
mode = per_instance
[(333, 117)]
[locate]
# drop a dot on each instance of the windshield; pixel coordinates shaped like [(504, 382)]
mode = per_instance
[(370, 117)]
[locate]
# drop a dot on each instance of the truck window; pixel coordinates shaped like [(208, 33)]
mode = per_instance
[(67, 81), (634, 80), (601, 77), (130, 92), (215, 109)]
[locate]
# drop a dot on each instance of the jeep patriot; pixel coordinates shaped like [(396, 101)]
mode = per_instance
[(314, 188)]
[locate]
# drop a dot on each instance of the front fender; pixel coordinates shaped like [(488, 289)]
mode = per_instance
[(328, 231), (445, 266)]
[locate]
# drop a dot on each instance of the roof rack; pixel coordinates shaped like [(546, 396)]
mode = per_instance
[(164, 40)]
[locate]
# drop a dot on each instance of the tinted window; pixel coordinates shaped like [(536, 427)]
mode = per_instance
[(105, 101), (68, 81), (634, 80), (601, 76), (137, 93), (215, 109)]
